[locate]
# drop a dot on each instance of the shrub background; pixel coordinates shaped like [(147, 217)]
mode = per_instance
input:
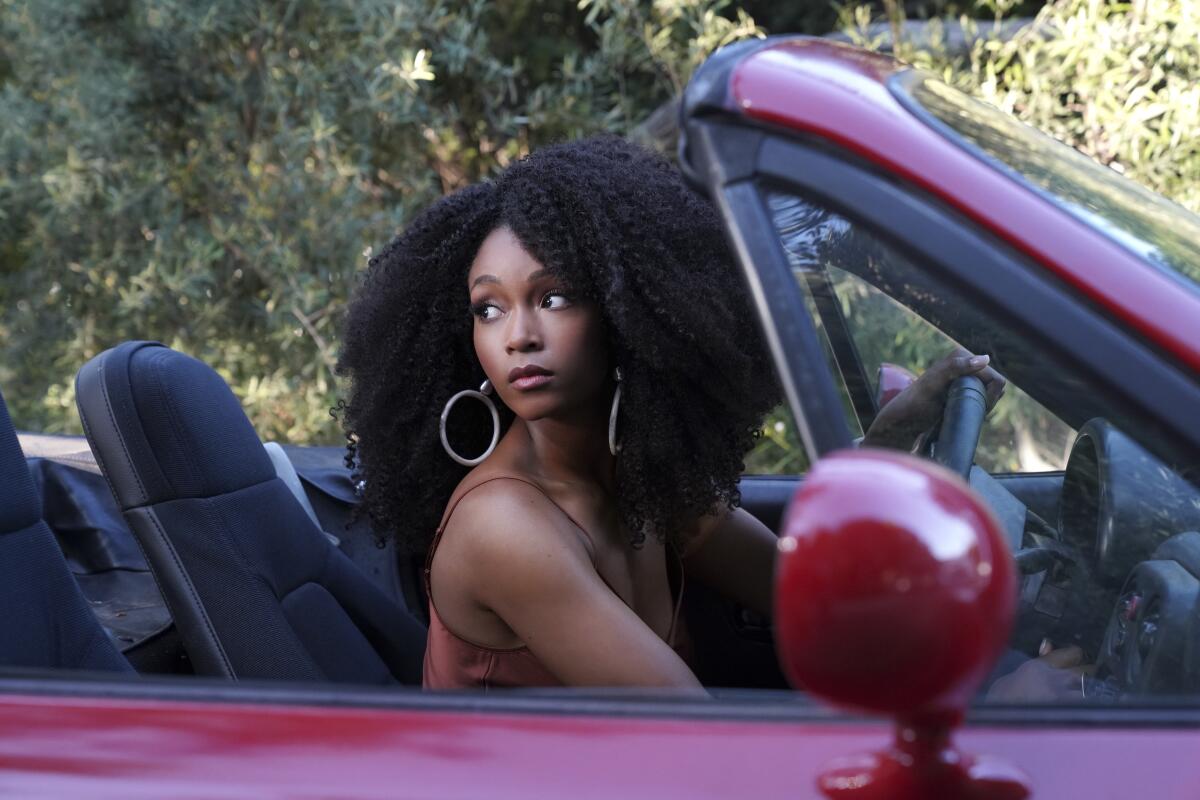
[(213, 174)]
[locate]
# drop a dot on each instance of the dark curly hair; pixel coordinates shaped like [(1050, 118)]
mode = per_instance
[(618, 225)]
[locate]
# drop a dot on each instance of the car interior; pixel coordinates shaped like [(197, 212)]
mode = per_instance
[(186, 551), (1106, 542), (172, 541)]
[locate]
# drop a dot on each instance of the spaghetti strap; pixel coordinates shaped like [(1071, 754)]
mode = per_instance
[(672, 631), (437, 536), (543, 492)]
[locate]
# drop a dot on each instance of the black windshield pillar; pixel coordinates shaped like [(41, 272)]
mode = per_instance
[(722, 159)]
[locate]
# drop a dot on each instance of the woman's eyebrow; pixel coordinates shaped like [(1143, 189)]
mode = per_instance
[(533, 277)]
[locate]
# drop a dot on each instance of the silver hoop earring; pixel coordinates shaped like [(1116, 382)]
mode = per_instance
[(484, 390), (614, 446)]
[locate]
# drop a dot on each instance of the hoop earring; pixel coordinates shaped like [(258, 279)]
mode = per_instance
[(614, 446), (484, 390)]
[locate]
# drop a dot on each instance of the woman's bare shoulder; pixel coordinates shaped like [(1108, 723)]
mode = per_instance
[(503, 509), (506, 539), (481, 477)]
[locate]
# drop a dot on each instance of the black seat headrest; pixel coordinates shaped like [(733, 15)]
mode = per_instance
[(22, 506), (189, 441)]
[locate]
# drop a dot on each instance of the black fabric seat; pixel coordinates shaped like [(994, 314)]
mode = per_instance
[(46, 620), (255, 588)]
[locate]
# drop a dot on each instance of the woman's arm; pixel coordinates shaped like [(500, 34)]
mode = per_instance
[(733, 553), (538, 578)]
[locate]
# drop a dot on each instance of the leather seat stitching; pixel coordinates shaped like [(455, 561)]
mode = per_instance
[(187, 581)]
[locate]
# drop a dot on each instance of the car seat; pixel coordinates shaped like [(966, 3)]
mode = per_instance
[(255, 587), (46, 620)]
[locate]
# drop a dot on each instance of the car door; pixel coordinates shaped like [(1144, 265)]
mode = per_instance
[(156, 737), (807, 215)]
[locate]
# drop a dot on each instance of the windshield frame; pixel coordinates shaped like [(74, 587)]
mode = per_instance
[(971, 262), (905, 88)]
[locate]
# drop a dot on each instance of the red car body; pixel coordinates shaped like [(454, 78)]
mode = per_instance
[(52, 747), (194, 738), (820, 88)]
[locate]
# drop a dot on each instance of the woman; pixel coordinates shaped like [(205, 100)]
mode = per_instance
[(591, 299)]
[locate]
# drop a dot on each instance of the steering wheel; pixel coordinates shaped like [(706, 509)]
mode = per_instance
[(962, 420), (1067, 612)]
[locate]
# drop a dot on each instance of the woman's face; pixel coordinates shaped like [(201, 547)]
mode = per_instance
[(541, 345)]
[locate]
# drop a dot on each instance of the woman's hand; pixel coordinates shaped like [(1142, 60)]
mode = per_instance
[(1056, 676), (917, 409)]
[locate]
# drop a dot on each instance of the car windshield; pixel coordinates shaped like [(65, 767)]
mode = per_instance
[(1143, 222)]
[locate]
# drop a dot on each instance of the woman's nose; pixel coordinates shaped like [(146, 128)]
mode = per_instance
[(523, 332)]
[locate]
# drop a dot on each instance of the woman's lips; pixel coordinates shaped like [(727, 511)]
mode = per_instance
[(531, 381), (529, 377)]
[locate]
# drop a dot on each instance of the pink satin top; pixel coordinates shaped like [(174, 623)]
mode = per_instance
[(452, 662)]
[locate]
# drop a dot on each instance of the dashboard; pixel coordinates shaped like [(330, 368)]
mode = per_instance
[(1118, 571)]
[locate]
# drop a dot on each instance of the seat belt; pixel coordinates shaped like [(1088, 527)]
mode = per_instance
[(291, 479)]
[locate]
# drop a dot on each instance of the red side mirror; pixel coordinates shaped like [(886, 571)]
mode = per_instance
[(895, 593)]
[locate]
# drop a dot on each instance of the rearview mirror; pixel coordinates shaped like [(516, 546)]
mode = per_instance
[(890, 381)]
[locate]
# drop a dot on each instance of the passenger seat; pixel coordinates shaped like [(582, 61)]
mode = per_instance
[(46, 620), (254, 586)]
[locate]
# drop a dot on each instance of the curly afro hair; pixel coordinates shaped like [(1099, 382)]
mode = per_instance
[(618, 225)]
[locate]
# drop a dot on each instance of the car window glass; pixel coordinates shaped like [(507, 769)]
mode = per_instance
[(1021, 435), (1144, 222), (1109, 550), (779, 450)]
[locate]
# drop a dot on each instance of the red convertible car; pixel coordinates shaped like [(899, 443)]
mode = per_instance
[(154, 646)]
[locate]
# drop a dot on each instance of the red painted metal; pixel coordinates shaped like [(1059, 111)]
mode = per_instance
[(921, 763), (839, 94), (86, 749), (895, 593)]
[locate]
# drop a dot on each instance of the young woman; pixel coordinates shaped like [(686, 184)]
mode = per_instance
[(555, 376)]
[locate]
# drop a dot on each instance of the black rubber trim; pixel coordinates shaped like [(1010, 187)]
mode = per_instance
[(841, 343), (762, 706), (726, 157)]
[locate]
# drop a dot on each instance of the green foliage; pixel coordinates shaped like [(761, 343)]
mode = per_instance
[(1019, 435), (1132, 78), (1120, 83), (674, 35), (212, 174)]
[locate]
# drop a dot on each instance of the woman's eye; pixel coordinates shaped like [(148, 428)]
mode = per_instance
[(485, 311), (555, 300)]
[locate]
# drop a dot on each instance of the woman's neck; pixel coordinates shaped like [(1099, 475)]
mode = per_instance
[(569, 451)]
